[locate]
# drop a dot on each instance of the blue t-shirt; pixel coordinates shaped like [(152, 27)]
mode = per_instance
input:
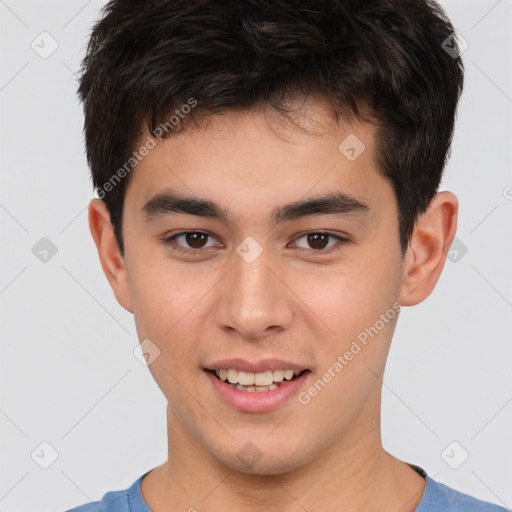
[(437, 497)]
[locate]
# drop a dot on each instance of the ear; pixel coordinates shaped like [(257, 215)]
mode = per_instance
[(426, 253), (112, 262)]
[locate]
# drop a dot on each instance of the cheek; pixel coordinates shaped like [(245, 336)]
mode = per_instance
[(166, 303), (343, 300), (167, 310), (356, 303)]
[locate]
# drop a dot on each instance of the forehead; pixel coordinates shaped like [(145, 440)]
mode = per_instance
[(261, 157)]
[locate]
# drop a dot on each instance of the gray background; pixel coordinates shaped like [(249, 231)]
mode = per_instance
[(68, 373)]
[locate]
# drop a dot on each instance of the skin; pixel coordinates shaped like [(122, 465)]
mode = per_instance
[(291, 303)]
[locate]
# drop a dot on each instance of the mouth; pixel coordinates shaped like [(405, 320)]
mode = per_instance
[(256, 382), (256, 387)]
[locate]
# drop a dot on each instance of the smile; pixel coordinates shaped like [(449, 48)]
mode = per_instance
[(266, 390), (255, 382)]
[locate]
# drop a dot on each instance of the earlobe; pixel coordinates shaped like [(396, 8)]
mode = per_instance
[(426, 254), (112, 262)]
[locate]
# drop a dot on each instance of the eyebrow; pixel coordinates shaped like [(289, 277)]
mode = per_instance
[(335, 203)]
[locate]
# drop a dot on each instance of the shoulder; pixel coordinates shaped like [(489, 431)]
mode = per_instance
[(441, 497), (113, 501), (126, 500)]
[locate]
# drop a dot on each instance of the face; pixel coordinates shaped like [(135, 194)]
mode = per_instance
[(249, 284)]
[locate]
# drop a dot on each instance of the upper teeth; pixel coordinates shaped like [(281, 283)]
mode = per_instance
[(255, 379)]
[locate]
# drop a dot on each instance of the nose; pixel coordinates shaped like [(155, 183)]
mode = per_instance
[(254, 300)]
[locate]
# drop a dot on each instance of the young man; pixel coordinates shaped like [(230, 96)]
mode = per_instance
[(267, 173)]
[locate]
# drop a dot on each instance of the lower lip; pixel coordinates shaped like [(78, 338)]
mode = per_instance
[(257, 401)]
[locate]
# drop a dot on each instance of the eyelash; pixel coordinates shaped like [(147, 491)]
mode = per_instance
[(170, 241)]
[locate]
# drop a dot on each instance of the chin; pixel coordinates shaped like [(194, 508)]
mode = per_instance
[(265, 462)]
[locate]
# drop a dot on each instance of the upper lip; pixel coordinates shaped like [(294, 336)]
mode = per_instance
[(255, 366)]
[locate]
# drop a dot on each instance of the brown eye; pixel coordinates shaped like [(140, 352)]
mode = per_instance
[(196, 240), (192, 242), (320, 242)]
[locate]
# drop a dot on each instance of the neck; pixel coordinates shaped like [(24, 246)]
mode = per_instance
[(353, 473)]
